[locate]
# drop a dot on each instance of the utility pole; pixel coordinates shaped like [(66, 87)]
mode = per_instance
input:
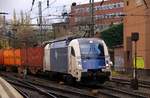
[(40, 21), (4, 30), (4, 20), (4, 24), (91, 33)]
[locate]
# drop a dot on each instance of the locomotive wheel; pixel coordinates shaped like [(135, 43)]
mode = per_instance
[(70, 80)]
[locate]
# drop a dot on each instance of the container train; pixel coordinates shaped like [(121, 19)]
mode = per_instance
[(73, 59)]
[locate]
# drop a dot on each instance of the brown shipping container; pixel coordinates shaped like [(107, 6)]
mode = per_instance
[(1, 57)]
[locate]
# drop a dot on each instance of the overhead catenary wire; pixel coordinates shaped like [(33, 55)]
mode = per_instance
[(32, 4), (49, 5), (47, 8), (113, 16), (44, 16), (34, 7), (126, 15)]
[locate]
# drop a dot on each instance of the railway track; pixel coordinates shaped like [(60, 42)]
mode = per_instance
[(111, 92), (65, 91), (115, 91), (22, 85), (122, 93), (100, 94), (144, 84), (75, 92), (23, 93), (144, 87), (53, 91)]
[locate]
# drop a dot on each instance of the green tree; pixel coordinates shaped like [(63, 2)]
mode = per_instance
[(113, 36)]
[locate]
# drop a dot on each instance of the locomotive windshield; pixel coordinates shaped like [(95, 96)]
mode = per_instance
[(91, 50)]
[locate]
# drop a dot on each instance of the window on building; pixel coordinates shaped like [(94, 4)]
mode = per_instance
[(127, 2), (117, 15), (96, 17), (102, 7), (87, 9), (102, 16), (96, 8), (106, 16), (118, 5), (76, 19), (113, 15), (114, 5), (121, 4), (105, 7), (109, 15), (110, 6)]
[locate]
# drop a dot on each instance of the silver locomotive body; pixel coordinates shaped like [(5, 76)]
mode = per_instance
[(81, 58)]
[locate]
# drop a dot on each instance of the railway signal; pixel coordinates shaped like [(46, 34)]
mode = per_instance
[(134, 81)]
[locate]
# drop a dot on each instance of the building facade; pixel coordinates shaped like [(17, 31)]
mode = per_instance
[(105, 14), (137, 19)]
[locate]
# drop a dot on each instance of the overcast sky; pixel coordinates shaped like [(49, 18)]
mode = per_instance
[(25, 5)]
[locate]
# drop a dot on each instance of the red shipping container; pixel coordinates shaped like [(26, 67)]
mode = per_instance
[(17, 56), (35, 56), (1, 57), (23, 57), (32, 58)]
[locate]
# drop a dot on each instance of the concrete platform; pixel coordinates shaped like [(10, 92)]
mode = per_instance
[(7, 91)]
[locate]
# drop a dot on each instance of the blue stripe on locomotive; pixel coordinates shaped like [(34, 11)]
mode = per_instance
[(93, 63)]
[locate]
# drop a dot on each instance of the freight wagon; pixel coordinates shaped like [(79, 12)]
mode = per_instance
[(30, 58)]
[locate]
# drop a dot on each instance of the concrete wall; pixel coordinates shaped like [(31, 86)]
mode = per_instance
[(119, 58)]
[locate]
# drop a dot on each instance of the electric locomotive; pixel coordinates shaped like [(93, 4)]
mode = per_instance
[(78, 59)]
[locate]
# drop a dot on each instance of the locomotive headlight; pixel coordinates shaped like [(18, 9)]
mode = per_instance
[(107, 66), (109, 63)]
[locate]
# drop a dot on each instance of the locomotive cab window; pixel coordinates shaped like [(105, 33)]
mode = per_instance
[(72, 51), (101, 50), (91, 50)]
